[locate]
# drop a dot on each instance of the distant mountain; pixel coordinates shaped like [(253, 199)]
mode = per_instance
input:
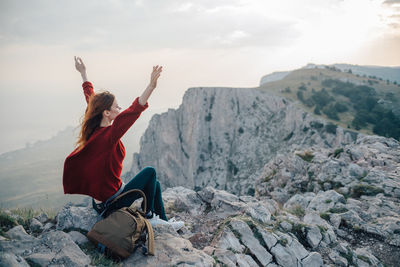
[(31, 176), (369, 104), (275, 76), (385, 73)]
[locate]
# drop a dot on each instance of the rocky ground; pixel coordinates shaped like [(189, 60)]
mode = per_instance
[(320, 207), (226, 230)]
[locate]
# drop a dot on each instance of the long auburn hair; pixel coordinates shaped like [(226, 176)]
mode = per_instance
[(98, 102)]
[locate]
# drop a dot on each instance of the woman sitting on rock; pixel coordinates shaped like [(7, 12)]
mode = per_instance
[(95, 166)]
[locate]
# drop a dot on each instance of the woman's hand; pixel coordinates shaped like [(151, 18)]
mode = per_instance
[(154, 76), (153, 84), (79, 65), (81, 68)]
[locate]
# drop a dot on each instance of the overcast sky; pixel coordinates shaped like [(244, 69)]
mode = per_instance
[(230, 43)]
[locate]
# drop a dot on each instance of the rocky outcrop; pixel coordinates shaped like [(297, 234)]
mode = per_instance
[(222, 137), (222, 229), (50, 248), (367, 167)]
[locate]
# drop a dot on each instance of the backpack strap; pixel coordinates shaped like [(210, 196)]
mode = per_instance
[(130, 192), (150, 232), (124, 194)]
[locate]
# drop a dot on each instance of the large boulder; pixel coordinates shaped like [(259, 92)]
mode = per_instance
[(326, 200), (171, 250), (77, 218), (53, 247)]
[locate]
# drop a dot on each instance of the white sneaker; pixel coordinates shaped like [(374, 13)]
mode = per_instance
[(155, 220), (177, 225)]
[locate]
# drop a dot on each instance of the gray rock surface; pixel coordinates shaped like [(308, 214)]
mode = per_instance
[(248, 239), (42, 218), (54, 247), (313, 260), (78, 237), (283, 256), (18, 233), (314, 236), (77, 218), (10, 260), (234, 238), (35, 225)]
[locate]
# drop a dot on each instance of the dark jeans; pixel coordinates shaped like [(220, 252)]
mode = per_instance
[(145, 180)]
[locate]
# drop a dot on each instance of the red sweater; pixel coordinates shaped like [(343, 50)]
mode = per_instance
[(95, 169)]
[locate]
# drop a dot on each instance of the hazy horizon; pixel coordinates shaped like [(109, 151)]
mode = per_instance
[(202, 43)]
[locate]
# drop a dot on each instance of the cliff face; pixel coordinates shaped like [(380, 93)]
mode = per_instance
[(222, 137)]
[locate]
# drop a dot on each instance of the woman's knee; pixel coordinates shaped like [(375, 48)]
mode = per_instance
[(150, 170), (150, 174)]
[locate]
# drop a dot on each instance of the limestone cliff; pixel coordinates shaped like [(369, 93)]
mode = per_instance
[(222, 137)]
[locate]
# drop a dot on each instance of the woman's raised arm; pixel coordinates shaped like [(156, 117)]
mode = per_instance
[(81, 68), (127, 118), (87, 86), (152, 85)]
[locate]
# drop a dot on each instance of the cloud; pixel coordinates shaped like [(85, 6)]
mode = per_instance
[(112, 24), (392, 16), (140, 25), (391, 2)]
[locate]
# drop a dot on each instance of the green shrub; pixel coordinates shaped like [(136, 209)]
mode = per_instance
[(283, 241), (287, 90), (325, 216), (288, 137), (322, 229), (322, 98), (338, 210), (98, 259), (361, 118), (6, 222), (340, 107), (307, 156), (331, 128), (389, 126), (302, 87), (317, 110), (298, 211), (299, 230), (348, 256), (316, 124), (367, 190), (251, 192), (337, 152), (331, 112), (25, 215), (300, 95), (364, 258), (309, 102), (268, 177)]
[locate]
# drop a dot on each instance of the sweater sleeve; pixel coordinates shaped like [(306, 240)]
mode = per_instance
[(126, 119), (87, 90)]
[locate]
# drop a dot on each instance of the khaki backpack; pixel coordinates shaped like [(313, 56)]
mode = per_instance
[(123, 231)]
